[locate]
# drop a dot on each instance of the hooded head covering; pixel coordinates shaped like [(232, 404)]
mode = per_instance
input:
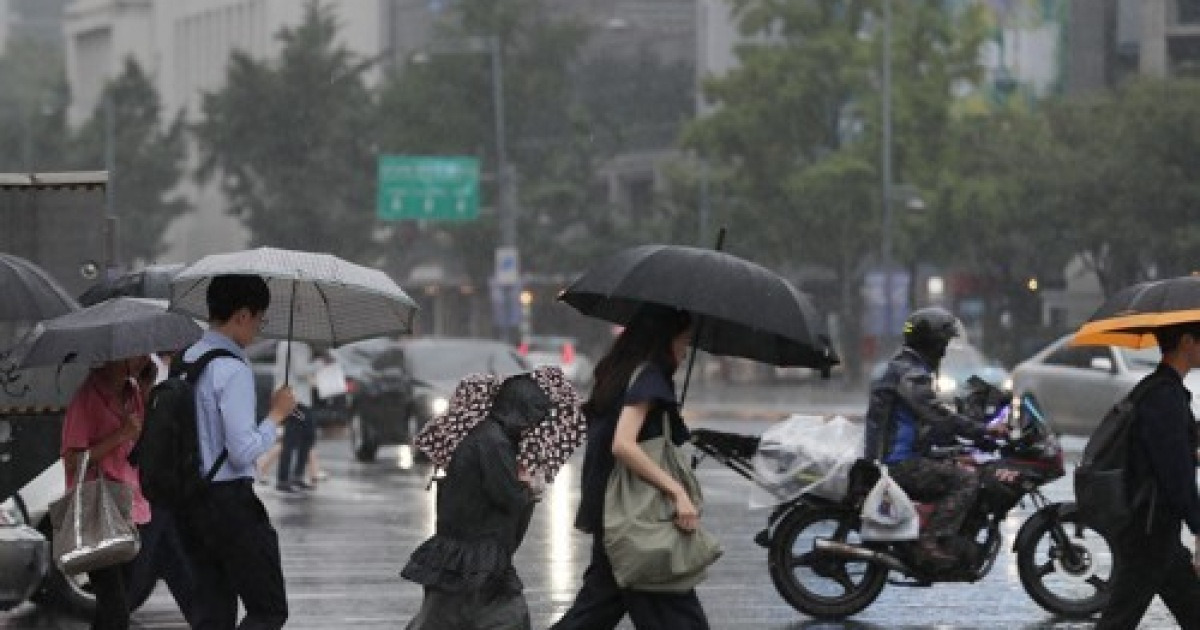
[(538, 410)]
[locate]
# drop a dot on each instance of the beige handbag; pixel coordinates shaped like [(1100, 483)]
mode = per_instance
[(93, 524), (647, 551)]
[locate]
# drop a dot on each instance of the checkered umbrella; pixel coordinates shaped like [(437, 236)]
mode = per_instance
[(315, 297)]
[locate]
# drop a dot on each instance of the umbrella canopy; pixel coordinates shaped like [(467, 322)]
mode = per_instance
[(544, 447), (749, 311), (28, 293), (317, 298), (114, 329), (153, 281), (1130, 317)]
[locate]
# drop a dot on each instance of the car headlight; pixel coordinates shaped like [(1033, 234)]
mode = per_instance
[(946, 384), (1007, 384), (438, 405)]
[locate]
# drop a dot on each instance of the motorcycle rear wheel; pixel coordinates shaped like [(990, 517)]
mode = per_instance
[(816, 584), (1075, 585)]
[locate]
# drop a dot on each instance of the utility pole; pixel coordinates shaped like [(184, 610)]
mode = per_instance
[(886, 169), (111, 254)]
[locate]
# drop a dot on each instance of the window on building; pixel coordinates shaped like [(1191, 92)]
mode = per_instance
[(1188, 11)]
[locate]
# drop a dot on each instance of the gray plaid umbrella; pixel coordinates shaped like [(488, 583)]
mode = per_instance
[(318, 298), (114, 329), (28, 293)]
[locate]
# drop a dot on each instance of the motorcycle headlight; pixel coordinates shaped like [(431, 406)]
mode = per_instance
[(438, 405), (946, 384)]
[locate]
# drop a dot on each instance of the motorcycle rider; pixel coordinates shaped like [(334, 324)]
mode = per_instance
[(904, 420)]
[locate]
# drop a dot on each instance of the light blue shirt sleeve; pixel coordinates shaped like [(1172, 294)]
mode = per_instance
[(245, 437)]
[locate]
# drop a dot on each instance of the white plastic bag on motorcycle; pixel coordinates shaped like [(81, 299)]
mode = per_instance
[(887, 512), (805, 454)]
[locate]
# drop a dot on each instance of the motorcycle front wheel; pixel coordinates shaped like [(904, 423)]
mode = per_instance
[(1065, 566), (815, 583)]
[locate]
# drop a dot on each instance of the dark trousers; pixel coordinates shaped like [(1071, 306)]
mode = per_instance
[(949, 487), (600, 603), (112, 607), (235, 553), (1150, 564), (161, 556), (299, 436)]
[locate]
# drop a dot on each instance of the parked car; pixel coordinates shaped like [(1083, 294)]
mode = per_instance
[(380, 395), (437, 364), (962, 361), (559, 351), (1076, 385), (26, 568)]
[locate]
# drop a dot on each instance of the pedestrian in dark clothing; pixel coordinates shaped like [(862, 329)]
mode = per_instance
[(294, 366), (904, 420), (632, 397), (226, 529), (1151, 560), (484, 504), (161, 554)]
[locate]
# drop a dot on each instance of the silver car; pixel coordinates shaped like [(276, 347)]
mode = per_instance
[(1077, 385)]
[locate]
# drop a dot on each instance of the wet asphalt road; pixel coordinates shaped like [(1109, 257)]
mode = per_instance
[(344, 544)]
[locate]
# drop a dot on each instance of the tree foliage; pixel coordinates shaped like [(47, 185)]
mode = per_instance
[(290, 140), (149, 157), (798, 124)]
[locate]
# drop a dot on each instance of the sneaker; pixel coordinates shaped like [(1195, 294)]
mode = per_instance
[(285, 488), (302, 485)]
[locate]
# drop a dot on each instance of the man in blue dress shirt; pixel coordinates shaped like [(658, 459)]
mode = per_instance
[(227, 531)]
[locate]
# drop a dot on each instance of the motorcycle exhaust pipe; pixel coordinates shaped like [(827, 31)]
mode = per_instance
[(843, 550)]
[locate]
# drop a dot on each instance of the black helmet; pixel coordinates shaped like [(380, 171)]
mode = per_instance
[(930, 329)]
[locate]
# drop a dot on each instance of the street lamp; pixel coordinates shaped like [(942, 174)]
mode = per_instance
[(506, 207), (886, 158)]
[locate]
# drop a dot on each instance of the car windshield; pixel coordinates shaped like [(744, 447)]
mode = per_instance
[(1142, 358), (437, 362)]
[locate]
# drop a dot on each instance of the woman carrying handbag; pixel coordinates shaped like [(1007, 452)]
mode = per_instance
[(632, 401), (104, 420)]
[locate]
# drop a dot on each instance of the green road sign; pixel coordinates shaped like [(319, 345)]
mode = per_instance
[(432, 188)]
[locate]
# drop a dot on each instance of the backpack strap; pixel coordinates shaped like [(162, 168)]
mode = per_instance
[(1139, 391), (191, 372)]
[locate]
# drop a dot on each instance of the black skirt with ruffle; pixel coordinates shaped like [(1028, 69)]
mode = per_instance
[(453, 565)]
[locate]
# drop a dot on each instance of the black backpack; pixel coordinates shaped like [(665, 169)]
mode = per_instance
[(1106, 491), (168, 452)]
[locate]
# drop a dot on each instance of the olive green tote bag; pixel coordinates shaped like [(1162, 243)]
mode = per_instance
[(647, 551)]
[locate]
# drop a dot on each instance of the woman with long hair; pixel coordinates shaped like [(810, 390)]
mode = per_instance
[(633, 397)]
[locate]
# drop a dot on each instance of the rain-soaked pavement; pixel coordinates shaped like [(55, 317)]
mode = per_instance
[(343, 546)]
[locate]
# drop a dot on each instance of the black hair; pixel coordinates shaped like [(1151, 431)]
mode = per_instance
[(1169, 336), (647, 337), (226, 294)]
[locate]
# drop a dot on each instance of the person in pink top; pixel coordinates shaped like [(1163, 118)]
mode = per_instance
[(104, 419)]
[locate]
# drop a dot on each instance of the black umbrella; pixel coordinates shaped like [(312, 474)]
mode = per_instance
[(1130, 317), (153, 281), (28, 293), (114, 329), (747, 310)]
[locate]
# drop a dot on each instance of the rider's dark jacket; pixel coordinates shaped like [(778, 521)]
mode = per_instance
[(904, 418)]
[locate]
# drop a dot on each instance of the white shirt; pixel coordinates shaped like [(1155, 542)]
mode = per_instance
[(300, 377)]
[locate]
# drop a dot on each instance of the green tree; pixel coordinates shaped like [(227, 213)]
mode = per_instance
[(291, 142), (998, 213), (1130, 183), (797, 126), (149, 161)]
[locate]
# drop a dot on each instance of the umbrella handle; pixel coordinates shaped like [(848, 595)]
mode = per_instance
[(697, 330), (287, 362)]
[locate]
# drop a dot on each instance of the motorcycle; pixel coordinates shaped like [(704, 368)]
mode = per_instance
[(821, 565)]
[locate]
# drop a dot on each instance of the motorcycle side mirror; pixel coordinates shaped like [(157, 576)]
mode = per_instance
[(1104, 364)]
